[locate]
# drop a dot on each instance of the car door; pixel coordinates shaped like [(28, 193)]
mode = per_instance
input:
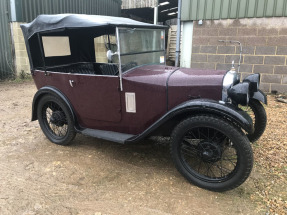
[(96, 98)]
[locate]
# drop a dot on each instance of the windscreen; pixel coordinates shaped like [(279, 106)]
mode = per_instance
[(141, 47)]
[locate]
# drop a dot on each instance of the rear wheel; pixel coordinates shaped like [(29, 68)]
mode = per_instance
[(211, 153), (56, 120)]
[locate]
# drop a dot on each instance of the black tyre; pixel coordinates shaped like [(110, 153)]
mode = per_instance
[(211, 153), (56, 120), (257, 112)]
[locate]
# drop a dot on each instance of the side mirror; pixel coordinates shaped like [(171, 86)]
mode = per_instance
[(110, 54)]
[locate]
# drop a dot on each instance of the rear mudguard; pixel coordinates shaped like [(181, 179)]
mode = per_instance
[(200, 106), (51, 91), (260, 96)]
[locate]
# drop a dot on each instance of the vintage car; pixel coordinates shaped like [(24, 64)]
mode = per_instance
[(107, 77)]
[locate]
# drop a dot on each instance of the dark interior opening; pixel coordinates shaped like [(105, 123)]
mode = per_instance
[(82, 59)]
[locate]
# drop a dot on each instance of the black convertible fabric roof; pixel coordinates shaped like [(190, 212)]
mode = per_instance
[(45, 23)]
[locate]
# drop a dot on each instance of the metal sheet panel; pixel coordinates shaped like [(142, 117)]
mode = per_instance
[(251, 7), (241, 9), (200, 9), (193, 8), (208, 9), (260, 8), (30, 9), (186, 10), (217, 9), (223, 9), (232, 9), (280, 7), (270, 6), (6, 64)]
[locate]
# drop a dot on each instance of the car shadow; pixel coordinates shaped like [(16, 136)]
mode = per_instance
[(153, 152)]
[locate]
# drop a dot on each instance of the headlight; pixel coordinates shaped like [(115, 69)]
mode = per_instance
[(230, 79), (239, 93), (254, 81)]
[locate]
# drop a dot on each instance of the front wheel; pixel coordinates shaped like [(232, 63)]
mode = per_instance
[(257, 112), (211, 153), (56, 120)]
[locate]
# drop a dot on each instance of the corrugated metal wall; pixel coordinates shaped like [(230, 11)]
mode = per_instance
[(5, 47), (32, 8), (232, 9)]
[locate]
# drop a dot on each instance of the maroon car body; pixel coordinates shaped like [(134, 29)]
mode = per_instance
[(158, 89), (129, 94)]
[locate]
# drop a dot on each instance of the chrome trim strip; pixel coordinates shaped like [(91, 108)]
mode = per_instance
[(48, 72), (119, 56)]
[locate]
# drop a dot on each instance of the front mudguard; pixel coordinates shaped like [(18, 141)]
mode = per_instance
[(258, 112), (260, 96), (226, 111)]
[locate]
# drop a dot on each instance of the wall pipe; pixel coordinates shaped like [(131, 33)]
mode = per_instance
[(155, 15), (178, 34)]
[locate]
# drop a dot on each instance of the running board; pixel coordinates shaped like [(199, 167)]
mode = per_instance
[(106, 135)]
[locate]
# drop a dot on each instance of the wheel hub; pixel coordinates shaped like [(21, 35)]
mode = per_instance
[(58, 118), (209, 151)]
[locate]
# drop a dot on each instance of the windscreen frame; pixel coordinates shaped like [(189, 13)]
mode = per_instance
[(119, 53)]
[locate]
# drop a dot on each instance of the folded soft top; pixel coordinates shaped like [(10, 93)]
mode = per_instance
[(45, 23)]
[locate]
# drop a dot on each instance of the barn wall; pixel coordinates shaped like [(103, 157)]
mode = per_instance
[(6, 60), (232, 9), (27, 10)]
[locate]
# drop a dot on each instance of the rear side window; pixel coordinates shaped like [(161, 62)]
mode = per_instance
[(56, 46)]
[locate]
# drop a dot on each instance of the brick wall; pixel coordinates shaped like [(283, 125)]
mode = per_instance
[(264, 48), (21, 58)]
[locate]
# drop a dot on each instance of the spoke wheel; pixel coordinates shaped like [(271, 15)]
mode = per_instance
[(55, 120), (257, 112), (211, 153)]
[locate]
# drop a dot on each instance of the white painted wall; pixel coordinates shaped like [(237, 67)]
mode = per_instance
[(186, 44)]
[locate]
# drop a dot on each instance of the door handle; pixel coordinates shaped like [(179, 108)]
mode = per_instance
[(71, 83)]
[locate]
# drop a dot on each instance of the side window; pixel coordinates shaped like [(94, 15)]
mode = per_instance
[(102, 45), (56, 46)]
